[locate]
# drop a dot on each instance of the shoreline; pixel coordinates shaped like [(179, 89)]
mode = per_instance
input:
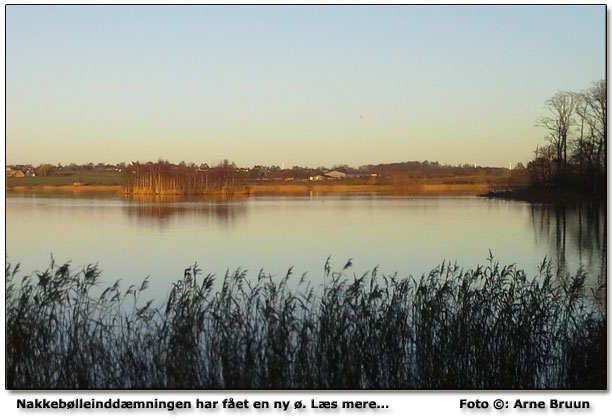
[(250, 190), (484, 190), (348, 188), (543, 195), (117, 188)]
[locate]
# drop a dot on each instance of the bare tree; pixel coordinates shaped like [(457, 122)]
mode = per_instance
[(583, 145), (541, 168), (577, 139), (562, 107), (44, 169), (596, 100), (166, 178)]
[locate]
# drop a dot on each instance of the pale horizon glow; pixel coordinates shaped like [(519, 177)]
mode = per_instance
[(293, 85)]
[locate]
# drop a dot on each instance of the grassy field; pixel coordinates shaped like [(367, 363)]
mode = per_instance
[(484, 328), (68, 178)]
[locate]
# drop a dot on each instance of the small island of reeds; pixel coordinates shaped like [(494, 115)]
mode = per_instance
[(163, 178), (490, 327)]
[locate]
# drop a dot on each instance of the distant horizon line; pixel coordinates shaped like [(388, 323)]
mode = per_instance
[(281, 165)]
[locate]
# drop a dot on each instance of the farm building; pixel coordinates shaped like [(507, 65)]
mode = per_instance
[(335, 175)]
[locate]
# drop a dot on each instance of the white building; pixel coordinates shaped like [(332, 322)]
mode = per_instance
[(335, 175)]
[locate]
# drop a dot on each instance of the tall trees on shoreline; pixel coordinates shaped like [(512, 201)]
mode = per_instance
[(574, 155)]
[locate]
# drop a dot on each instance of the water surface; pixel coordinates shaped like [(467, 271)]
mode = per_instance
[(133, 239)]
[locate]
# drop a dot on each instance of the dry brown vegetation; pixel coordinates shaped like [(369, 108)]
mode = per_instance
[(486, 328), (164, 178)]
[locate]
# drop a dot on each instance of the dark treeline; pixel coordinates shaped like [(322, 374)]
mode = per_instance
[(49, 169), (165, 178), (486, 328), (400, 173), (434, 169), (574, 155), (414, 169)]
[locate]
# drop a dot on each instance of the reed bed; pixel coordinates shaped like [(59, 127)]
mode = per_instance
[(163, 178), (485, 328)]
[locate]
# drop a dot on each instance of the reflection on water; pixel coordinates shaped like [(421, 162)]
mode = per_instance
[(132, 238), (158, 211), (68, 193), (573, 232)]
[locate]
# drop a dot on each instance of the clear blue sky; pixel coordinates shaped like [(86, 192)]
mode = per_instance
[(299, 85)]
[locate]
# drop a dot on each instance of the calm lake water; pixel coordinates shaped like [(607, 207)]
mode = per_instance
[(133, 239)]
